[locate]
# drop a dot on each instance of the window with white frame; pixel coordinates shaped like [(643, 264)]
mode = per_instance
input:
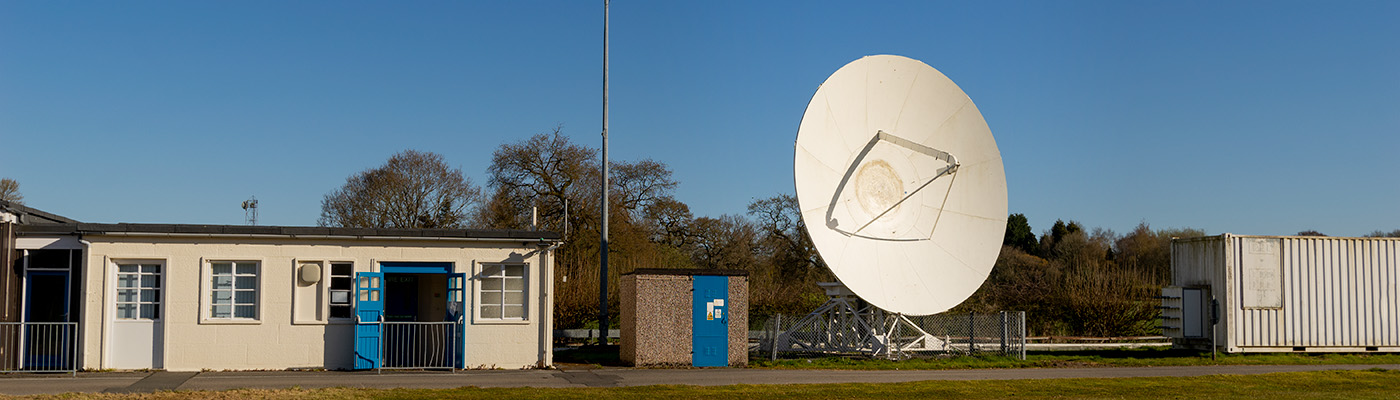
[(233, 290), (342, 284), (138, 291), (501, 292)]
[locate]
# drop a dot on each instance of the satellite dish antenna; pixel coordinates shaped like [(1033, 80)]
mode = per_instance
[(901, 185)]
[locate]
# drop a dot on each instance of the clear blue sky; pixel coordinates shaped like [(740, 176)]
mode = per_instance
[(1246, 117)]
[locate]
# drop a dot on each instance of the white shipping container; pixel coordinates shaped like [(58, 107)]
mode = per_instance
[(1284, 294)]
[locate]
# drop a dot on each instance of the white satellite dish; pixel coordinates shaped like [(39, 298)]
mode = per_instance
[(901, 185)]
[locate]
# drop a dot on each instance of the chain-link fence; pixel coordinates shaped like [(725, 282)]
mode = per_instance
[(875, 333)]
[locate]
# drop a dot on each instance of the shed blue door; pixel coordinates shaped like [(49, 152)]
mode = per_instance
[(369, 311), (710, 335)]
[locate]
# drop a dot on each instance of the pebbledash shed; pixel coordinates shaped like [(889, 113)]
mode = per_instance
[(1241, 293)]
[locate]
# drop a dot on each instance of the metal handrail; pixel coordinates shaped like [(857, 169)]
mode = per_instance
[(39, 347)]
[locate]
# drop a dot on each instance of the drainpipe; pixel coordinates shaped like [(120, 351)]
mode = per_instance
[(546, 308)]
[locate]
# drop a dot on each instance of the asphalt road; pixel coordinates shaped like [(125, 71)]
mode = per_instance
[(25, 384)]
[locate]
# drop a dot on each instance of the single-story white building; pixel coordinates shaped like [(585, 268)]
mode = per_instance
[(228, 297)]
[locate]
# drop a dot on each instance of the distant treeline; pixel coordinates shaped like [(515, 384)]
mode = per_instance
[(1071, 281)]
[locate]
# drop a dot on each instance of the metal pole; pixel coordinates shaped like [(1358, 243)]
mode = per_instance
[(971, 332), (1024, 334), (1005, 334), (603, 245), (773, 339)]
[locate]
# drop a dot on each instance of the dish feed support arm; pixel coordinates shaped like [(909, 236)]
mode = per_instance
[(881, 135)]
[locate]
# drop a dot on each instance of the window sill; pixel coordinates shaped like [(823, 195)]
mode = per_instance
[(230, 322), (500, 322)]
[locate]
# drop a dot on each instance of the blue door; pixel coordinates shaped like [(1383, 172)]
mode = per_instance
[(710, 337), (48, 343), (369, 312), (456, 312)]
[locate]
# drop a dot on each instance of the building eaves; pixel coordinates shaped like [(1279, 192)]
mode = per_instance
[(289, 231)]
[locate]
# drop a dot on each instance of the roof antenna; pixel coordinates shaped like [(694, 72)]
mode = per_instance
[(250, 210)]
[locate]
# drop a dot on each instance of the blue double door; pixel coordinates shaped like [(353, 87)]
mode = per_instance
[(372, 297), (710, 312)]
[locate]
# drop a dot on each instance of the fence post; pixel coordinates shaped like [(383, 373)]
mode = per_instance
[(1024, 335), (1005, 350), (971, 332)]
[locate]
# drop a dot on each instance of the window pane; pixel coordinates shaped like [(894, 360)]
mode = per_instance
[(150, 281), (221, 311), (148, 311), (364, 295), (126, 295), (515, 298), (126, 311), (515, 270), (223, 282), (491, 270), (126, 268), (374, 295), (245, 282), (342, 268), (491, 284), (515, 312), (222, 268), (245, 297), (247, 268), (340, 282), (340, 297), (490, 311), (126, 280), (150, 295), (340, 312), (150, 268), (491, 298), (515, 284), (223, 296), (244, 311)]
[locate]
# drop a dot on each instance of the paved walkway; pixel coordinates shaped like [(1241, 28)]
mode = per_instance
[(126, 382)]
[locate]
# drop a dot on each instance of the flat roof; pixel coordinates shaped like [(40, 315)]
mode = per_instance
[(243, 230), (687, 271)]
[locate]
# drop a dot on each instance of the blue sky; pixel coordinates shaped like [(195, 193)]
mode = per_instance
[(1245, 117)]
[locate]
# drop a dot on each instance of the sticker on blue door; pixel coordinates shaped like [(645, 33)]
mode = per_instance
[(710, 334)]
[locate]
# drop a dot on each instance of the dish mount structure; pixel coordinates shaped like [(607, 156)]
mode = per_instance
[(902, 188)]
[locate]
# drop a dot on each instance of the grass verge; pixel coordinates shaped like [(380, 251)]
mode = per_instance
[(1366, 384), (1144, 357)]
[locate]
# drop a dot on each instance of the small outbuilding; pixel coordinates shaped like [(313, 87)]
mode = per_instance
[(690, 317), (232, 297), (1243, 293)]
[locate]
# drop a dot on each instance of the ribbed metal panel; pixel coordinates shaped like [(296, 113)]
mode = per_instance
[(1327, 292)]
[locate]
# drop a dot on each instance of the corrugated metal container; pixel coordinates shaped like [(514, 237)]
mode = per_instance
[(1287, 293)]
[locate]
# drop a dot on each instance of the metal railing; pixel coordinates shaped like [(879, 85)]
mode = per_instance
[(420, 345), (1002, 333), (39, 347)]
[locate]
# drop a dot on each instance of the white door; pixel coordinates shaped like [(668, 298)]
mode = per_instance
[(136, 340)]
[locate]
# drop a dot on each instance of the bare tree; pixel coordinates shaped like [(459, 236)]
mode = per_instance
[(412, 190), (9, 191)]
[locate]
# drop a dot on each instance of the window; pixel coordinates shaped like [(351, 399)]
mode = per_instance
[(233, 290), (342, 282), (138, 291), (502, 292)]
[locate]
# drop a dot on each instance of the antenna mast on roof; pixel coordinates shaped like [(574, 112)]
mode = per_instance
[(250, 210)]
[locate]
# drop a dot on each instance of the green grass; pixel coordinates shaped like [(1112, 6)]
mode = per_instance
[(1145, 357), (1368, 384)]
